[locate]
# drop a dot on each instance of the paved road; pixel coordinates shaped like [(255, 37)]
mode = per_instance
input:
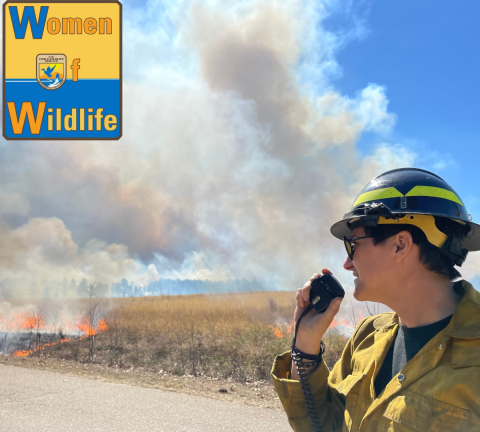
[(37, 401)]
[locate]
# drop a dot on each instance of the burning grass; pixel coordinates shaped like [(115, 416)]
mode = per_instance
[(232, 336)]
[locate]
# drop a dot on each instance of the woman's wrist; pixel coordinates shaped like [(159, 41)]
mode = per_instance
[(306, 363), (308, 347)]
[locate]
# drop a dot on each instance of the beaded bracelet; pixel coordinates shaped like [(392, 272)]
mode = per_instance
[(307, 361)]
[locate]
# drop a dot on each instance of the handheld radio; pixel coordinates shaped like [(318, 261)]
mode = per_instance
[(324, 289)]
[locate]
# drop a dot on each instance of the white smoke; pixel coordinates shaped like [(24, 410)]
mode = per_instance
[(237, 157)]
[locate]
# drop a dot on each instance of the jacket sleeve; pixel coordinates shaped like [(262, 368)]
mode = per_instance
[(329, 402)]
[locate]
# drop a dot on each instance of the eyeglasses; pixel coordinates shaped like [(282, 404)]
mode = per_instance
[(350, 245)]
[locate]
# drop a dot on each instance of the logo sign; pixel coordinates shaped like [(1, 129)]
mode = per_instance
[(51, 70), (62, 70)]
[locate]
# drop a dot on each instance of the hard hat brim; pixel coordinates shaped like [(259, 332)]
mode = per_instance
[(472, 242)]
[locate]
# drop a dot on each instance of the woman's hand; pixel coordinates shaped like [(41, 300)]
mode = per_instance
[(313, 325)]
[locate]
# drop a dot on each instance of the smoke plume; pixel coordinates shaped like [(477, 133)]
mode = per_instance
[(238, 155)]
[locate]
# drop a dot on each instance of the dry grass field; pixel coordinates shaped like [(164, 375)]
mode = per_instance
[(231, 336), (219, 346)]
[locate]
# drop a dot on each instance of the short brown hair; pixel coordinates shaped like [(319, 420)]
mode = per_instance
[(429, 255)]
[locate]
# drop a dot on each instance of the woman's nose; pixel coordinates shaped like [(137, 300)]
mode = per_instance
[(348, 264)]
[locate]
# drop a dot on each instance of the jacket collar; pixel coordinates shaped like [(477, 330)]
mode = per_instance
[(465, 322), (385, 321)]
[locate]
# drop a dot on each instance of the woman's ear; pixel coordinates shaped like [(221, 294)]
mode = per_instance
[(403, 244)]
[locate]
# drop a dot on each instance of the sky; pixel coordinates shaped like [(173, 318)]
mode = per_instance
[(249, 129), (428, 59)]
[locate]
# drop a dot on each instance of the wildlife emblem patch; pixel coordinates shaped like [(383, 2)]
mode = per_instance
[(51, 70)]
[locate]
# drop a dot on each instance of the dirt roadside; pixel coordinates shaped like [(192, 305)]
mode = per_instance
[(255, 393)]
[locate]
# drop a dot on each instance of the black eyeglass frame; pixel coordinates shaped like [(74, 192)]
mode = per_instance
[(350, 245)]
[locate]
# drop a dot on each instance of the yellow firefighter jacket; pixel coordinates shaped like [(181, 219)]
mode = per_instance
[(436, 391)]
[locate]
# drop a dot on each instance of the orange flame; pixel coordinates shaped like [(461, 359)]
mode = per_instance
[(286, 330), (333, 324), (83, 326), (24, 353), (342, 322), (102, 326), (32, 322)]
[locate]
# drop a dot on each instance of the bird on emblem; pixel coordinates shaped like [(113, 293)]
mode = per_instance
[(49, 71)]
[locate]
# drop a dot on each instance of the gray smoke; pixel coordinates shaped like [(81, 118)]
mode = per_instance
[(237, 157)]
